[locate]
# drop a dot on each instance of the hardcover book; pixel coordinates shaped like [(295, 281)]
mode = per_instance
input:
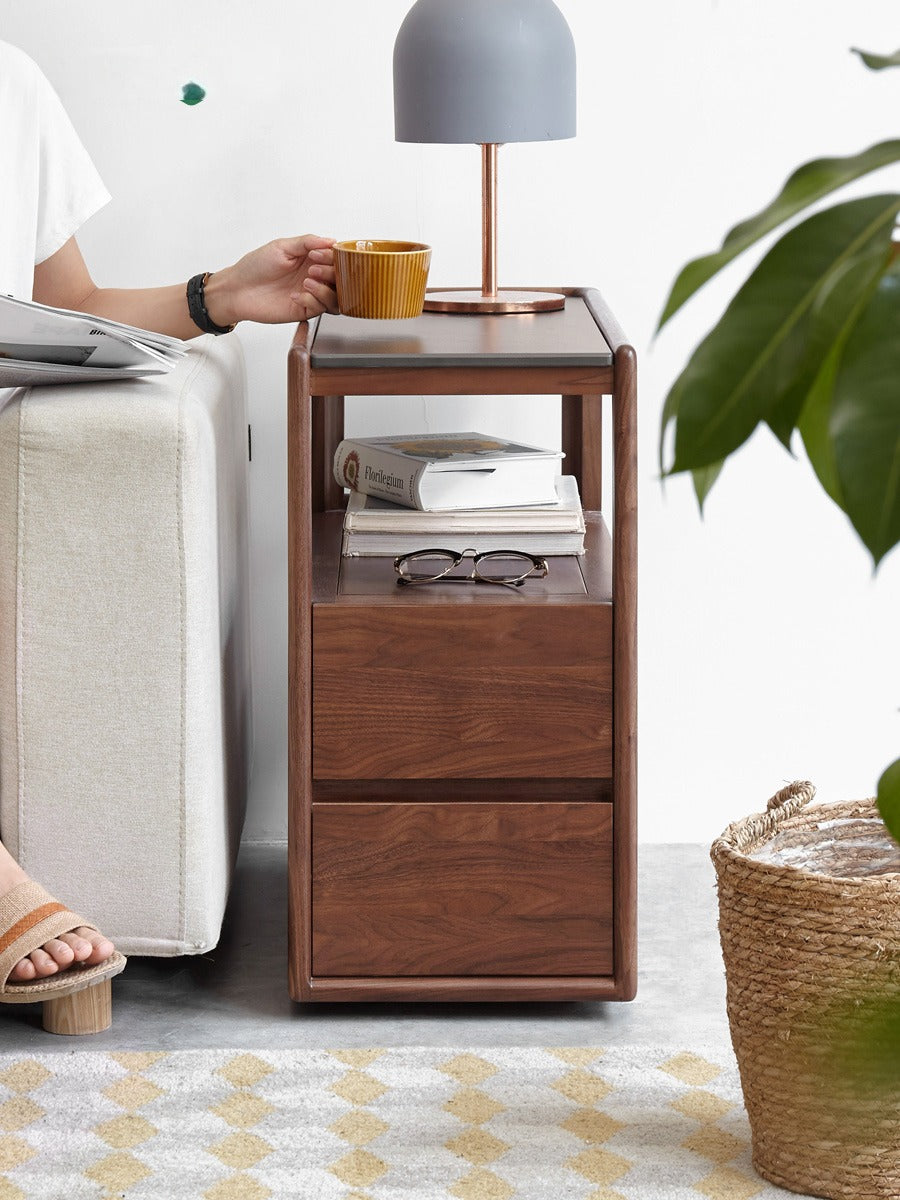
[(377, 527), (438, 472)]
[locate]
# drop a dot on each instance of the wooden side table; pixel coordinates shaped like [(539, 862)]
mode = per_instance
[(462, 774)]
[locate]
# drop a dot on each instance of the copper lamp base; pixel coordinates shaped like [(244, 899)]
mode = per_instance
[(458, 300), (491, 299)]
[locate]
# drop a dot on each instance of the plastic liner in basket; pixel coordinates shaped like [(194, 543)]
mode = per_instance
[(809, 919)]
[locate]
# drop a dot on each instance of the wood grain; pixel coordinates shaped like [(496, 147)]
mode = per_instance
[(545, 790), (625, 569), (464, 989), (429, 342), (373, 581), (445, 691), (375, 578), (87, 1011), (461, 381), (327, 432), (300, 550), (462, 889), (582, 441)]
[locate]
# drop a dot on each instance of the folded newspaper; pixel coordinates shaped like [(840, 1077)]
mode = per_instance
[(40, 344)]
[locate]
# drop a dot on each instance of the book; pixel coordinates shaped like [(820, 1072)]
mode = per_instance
[(373, 526), (441, 471), (41, 344)]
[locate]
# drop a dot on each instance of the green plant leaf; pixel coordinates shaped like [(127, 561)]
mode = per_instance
[(878, 62), (889, 798), (808, 183), (865, 420), (814, 421), (824, 329), (753, 357), (814, 426), (704, 478)]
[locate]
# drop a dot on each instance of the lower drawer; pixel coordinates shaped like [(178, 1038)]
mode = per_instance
[(444, 889)]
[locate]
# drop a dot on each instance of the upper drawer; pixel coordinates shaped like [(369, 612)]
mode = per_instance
[(462, 691)]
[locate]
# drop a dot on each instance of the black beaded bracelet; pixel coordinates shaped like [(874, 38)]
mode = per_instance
[(196, 300)]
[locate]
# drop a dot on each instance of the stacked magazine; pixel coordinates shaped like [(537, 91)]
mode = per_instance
[(40, 344), (457, 491)]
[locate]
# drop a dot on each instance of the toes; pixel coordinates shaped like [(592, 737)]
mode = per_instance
[(62, 954), (43, 964), (23, 971), (101, 947), (80, 946)]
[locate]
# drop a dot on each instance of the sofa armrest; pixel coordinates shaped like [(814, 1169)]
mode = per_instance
[(125, 718)]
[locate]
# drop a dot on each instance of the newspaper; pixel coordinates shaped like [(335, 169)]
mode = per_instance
[(40, 344)]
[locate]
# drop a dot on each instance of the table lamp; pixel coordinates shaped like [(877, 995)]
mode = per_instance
[(488, 72)]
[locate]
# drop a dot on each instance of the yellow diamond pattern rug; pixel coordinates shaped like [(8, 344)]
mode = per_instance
[(437, 1123)]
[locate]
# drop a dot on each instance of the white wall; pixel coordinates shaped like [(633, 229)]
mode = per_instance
[(767, 650)]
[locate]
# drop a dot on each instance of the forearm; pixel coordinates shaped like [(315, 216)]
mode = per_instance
[(162, 309), (290, 279)]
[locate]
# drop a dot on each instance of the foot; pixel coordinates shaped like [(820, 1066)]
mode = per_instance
[(81, 945)]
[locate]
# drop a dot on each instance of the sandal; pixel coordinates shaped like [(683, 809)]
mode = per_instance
[(77, 999)]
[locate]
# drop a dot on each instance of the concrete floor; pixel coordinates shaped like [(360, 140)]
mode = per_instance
[(236, 996)]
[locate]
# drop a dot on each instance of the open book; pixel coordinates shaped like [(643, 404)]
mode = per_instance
[(40, 344)]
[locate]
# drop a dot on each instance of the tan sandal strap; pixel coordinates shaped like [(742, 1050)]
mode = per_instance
[(30, 917), (33, 918)]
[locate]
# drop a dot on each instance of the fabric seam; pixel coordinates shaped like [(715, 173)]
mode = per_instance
[(182, 752), (20, 629), (189, 382)]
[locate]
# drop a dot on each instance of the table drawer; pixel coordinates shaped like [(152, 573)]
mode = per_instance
[(472, 889), (462, 691)]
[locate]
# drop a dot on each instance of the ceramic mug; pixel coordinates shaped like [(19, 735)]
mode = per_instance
[(381, 278)]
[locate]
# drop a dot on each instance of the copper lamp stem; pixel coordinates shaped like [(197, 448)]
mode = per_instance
[(491, 299), (489, 219)]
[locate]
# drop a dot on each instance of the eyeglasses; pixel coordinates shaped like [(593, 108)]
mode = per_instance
[(509, 568)]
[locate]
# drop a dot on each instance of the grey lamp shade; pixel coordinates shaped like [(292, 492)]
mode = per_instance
[(484, 71)]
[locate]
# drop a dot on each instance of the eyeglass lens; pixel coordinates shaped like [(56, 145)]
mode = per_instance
[(430, 564), (503, 568)]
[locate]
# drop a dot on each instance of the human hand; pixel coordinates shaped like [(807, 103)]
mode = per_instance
[(290, 279)]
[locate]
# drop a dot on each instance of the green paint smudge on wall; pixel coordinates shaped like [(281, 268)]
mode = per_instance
[(192, 93)]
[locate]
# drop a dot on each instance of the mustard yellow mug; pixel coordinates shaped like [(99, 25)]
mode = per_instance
[(380, 278)]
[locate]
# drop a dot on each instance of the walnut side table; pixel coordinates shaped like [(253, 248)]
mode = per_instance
[(462, 760)]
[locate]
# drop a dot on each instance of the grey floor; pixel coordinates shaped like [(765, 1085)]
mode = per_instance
[(236, 996)]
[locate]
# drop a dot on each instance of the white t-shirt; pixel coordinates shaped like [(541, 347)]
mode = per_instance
[(50, 186)]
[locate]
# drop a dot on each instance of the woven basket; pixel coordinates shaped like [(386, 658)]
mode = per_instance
[(806, 956)]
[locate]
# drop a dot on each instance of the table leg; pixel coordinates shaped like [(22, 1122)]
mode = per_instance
[(582, 439), (624, 421), (327, 433)]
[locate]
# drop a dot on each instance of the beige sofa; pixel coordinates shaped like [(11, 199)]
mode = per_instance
[(125, 719)]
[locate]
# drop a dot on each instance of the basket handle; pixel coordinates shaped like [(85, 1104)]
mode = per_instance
[(789, 801), (751, 831), (782, 806)]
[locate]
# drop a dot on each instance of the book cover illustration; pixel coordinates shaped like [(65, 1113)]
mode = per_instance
[(445, 450)]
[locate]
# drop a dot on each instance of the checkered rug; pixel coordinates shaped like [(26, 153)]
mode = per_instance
[(622, 1123)]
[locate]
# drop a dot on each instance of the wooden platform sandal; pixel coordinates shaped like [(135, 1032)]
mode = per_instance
[(77, 999)]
